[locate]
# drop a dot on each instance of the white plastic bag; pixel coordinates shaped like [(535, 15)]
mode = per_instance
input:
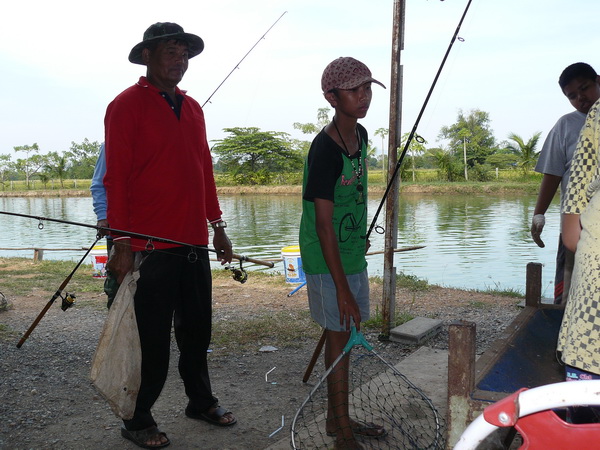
[(116, 367)]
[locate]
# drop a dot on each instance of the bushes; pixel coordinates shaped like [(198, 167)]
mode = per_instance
[(480, 172), (259, 178)]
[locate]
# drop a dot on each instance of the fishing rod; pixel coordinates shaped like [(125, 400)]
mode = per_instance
[(150, 238), (67, 299), (414, 129), (238, 64)]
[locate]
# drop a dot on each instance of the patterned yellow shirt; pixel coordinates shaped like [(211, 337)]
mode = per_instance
[(579, 337), (584, 166)]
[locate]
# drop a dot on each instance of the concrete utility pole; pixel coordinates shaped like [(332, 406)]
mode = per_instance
[(391, 205)]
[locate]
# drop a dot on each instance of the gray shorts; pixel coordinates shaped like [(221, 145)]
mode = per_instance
[(322, 299)]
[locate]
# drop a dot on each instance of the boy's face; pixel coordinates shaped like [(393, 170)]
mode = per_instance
[(582, 93), (352, 102)]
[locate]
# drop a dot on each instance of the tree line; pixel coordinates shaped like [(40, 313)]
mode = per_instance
[(76, 163), (248, 155)]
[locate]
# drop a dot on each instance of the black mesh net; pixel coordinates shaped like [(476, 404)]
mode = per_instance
[(379, 396)]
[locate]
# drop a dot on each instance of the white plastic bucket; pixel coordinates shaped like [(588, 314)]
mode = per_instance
[(99, 256), (292, 264)]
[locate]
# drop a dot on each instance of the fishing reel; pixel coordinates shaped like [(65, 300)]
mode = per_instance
[(67, 301), (238, 274)]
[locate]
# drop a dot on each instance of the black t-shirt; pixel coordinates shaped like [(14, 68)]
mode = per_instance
[(325, 165)]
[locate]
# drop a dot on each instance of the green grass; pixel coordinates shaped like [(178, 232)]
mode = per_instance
[(281, 329), (275, 279), (508, 179), (22, 276), (53, 185), (375, 322), (410, 282), (504, 292)]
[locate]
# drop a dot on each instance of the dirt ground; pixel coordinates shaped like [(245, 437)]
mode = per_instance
[(47, 401)]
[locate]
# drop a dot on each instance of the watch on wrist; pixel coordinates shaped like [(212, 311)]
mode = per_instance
[(219, 224)]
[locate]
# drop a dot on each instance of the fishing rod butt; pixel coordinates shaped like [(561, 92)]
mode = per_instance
[(269, 264)]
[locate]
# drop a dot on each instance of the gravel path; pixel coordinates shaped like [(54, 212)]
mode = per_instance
[(47, 401)]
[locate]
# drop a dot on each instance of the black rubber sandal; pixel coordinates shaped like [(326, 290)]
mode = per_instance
[(140, 437), (213, 417)]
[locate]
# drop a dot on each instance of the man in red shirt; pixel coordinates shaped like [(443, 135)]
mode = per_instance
[(159, 181)]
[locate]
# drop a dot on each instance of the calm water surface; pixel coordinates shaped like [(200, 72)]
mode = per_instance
[(475, 242)]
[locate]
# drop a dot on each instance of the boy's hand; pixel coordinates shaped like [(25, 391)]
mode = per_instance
[(348, 309)]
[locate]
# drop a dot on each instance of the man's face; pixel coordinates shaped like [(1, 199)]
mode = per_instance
[(582, 93), (167, 63)]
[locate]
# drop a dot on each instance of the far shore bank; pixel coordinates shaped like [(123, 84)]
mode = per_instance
[(416, 188)]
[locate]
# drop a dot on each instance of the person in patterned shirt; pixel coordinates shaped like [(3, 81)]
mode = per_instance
[(579, 335)]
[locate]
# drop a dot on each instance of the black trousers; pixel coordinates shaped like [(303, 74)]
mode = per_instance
[(173, 289)]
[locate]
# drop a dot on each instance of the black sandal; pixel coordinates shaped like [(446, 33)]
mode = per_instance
[(212, 415), (140, 437)]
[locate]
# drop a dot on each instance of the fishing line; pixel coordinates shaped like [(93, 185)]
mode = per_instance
[(240, 62), (238, 274), (413, 132)]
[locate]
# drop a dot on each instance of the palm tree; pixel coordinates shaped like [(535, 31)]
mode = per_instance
[(526, 151), (445, 164), (58, 166)]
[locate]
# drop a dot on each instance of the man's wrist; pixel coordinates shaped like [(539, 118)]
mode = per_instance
[(218, 224)]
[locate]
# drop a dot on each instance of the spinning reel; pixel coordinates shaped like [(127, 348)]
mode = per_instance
[(238, 274), (67, 301)]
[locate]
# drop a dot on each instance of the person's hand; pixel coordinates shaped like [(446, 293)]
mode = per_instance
[(103, 223), (348, 309), (222, 245), (368, 245), (120, 261), (537, 225)]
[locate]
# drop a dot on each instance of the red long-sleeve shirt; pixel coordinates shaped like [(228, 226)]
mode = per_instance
[(159, 174)]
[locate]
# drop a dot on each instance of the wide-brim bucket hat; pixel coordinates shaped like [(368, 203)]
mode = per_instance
[(166, 30)]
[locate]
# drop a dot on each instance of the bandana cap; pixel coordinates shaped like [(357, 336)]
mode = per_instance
[(346, 73)]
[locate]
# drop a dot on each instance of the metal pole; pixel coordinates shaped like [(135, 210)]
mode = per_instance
[(391, 210)]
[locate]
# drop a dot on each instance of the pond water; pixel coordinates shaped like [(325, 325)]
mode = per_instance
[(471, 241)]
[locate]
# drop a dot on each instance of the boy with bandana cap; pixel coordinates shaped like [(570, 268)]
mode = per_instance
[(333, 233)]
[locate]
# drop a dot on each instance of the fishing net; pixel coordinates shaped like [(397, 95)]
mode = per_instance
[(379, 396)]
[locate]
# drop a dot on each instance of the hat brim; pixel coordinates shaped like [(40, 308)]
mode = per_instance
[(195, 46), (356, 83)]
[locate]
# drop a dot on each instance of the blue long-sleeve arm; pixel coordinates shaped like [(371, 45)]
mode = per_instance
[(97, 187)]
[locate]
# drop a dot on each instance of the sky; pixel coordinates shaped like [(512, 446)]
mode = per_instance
[(63, 61)]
